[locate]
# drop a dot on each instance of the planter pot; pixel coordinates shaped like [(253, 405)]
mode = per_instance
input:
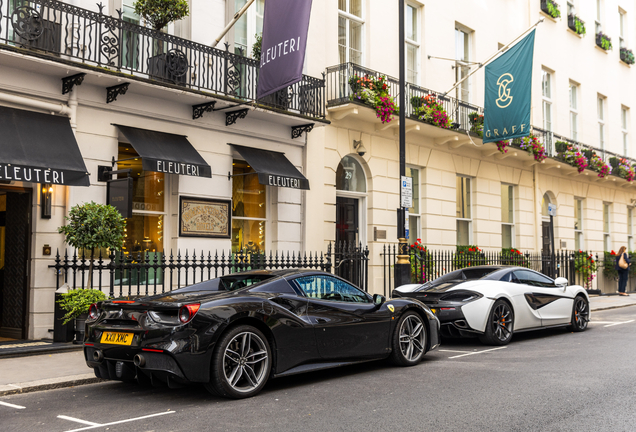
[(614, 162), (544, 7), (599, 42), (79, 328), (170, 67), (627, 57)]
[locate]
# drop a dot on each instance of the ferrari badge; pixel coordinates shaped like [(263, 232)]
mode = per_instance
[(391, 308)]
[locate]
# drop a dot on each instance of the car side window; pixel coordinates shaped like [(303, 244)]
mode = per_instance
[(330, 288), (534, 279)]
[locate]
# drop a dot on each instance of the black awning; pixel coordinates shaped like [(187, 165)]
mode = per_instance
[(39, 148), (167, 153), (273, 168)]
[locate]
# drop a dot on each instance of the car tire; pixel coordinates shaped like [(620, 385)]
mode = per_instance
[(241, 363), (580, 314), (409, 340), (500, 324)]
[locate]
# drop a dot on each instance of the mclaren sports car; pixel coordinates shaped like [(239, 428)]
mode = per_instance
[(494, 302), (235, 332)]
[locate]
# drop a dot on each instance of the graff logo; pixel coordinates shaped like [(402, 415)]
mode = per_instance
[(504, 92)]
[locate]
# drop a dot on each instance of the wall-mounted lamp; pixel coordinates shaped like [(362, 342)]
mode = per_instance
[(46, 198), (359, 147)]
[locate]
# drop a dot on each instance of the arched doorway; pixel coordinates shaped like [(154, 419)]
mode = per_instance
[(351, 193)]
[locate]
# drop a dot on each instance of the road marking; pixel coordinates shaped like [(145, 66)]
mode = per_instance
[(602, 322), (78, 420), (477, 352), (11, 405), (618, 323), (445, 350), (120, 421)]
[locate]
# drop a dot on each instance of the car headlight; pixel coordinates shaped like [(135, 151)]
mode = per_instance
[(461, 296)]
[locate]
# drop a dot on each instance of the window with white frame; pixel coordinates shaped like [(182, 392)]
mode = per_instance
[(464, 212), (607, 238), (630, 229), (546, 90), (412, 43), (601, 121), (248, 27), (350, 27), (507, 216), (414, 212), (574, 111), (621, 28), (624, 131), (462, 57), (571, 8), (598, 22), (578, 224)]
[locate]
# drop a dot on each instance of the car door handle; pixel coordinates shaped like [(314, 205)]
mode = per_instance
[(321, 320)]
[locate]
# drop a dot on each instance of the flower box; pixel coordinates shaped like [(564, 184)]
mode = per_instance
[(576, 24), (603, 41), (627, 56), (551, 8)]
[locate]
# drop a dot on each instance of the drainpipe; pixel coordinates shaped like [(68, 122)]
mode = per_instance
[(537, 210), (53, 108)]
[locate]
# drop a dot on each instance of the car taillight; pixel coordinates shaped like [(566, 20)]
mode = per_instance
[(187, 312), (93, 311)]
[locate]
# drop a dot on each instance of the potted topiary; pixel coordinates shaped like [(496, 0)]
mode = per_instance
[(173, 65), (76, 304), (561, 147), (90, 227)]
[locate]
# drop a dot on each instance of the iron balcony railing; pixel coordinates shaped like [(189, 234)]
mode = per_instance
[(339, 92), (93, 38)]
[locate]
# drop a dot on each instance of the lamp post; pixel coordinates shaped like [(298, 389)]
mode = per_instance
[(402, 266)]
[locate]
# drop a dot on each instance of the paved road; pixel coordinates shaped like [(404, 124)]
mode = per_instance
[(543, 381)]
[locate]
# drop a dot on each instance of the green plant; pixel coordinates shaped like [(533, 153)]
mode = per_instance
[(422, 263), (476, 123), (432, 111), (374, 92), (604, 41), (256, 48), (552, 9), (512, 256), (585, 266), (578, 24), (532, 145), (561, 146), (77, 302), (93, 226), (160, 13), (468, 256), (627, 56), (609, 265)]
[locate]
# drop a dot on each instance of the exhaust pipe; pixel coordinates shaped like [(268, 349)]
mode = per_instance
[(98, 356), (139, 361)]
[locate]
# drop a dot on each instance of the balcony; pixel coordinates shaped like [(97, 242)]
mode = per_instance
[(340, 93), (67, 33)]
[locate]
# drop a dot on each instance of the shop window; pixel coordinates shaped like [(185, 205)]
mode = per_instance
[(249, 209), (144, 232)]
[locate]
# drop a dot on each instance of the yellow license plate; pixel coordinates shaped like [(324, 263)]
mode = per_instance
[(117, 338)]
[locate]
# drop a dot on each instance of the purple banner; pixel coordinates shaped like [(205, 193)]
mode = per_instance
[(285, 26)]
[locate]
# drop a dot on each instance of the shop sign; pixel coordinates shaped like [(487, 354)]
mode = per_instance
[(201, 217), (280, 181), (119, 195), (11, 172), (177, 168)]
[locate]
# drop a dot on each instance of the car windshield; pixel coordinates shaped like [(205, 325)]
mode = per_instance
[(451, 279)]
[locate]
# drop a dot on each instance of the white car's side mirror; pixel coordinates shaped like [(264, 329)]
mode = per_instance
[(561, 282)]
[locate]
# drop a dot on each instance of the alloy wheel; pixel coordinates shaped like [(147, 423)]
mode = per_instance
[(412, 338), (502, 322), (245, 362), (581, 313)]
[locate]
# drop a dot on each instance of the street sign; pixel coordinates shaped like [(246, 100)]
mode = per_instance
[(551, 209), (407, 192)]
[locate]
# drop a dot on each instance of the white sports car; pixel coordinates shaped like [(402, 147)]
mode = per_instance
[(493, 302)]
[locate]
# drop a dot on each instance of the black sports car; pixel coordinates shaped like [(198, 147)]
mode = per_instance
[(234, 332)]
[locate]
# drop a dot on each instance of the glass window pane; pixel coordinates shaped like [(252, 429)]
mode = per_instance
[(506, 236), (415, 175), (629, 220), (606, 221), (260, 11), (411, 63), (148, 186), (248, 195), (342, 39), (240, 28), (355, 8), (414, 228), (463, 197), (546, 84), (600, 108), (411, 23), (544, 205), (342, 5), (248, 235), (355, 42), (463, 233), (624, 118), (143, 233), (573, 96), (573, 126), (506, 204), (578, 241), (330, 288), (578, 218), (350, 176)]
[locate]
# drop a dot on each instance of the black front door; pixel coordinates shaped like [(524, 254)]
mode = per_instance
[(14, 257), (347, 220)]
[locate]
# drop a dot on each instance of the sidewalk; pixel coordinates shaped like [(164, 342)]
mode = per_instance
[(49, 371)]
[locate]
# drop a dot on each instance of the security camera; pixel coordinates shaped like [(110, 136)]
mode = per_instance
[(359, 147)]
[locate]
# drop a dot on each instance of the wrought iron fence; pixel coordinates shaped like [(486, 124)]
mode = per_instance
[(429, 265), (96, 39), (339, 92), (152, 273)]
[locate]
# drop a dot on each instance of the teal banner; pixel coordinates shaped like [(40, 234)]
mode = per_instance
[(508, 93)]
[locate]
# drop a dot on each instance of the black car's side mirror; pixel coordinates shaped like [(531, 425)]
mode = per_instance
[(378, 299)]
